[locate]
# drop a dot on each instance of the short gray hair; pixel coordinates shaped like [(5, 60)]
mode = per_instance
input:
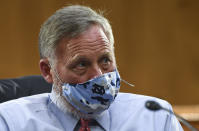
[(69, 22)]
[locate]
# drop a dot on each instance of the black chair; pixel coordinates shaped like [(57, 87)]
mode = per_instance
[(22, 86)]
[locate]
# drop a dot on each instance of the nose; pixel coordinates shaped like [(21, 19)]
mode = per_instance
[(95, 72)]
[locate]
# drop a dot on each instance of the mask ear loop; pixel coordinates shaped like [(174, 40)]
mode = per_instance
[(128, 83)]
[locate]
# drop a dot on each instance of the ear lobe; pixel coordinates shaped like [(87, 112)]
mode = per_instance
[(45, 70)]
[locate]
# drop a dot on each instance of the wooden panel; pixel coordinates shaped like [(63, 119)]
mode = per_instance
[(189, 113), (156, 42)]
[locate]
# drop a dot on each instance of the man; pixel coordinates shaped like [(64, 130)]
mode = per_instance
[(77, 56)]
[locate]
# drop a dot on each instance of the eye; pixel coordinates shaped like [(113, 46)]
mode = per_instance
[(81, 65), (105, 62)]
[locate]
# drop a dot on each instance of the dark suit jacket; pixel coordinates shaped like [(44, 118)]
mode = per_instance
[(23, 86)]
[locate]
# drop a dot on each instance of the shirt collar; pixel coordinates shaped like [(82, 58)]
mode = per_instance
[(63, 118), (104, 120)]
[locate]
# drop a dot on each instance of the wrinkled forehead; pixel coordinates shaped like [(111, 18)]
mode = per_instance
[(91, 41)]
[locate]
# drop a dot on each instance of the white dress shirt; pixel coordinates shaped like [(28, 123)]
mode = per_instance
[(126, 113)]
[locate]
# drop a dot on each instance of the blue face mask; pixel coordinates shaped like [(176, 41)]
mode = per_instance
[(95, 95)]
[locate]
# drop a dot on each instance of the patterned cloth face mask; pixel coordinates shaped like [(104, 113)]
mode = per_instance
[(95, 95)]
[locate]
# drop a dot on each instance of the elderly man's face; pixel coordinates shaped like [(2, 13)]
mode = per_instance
[(85, 57)]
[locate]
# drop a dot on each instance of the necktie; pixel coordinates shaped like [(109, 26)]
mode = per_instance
[(84, 125)]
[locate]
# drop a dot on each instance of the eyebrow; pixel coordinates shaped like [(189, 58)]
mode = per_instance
[(106, 54), (76, 59)]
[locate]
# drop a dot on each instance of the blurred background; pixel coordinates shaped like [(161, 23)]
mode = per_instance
[(156, 42)]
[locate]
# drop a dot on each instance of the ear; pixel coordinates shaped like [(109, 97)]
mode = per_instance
[(46, 70)]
